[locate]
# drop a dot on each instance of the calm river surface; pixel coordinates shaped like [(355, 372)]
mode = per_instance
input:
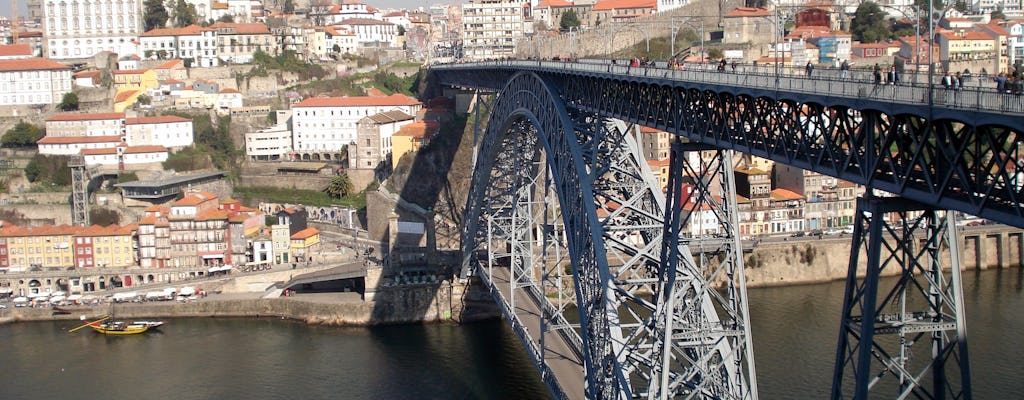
[(794, 345)]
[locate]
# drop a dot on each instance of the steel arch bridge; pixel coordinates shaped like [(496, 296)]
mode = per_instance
[(564, 216)]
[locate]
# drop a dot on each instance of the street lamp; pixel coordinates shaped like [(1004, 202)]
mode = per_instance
[(675, 28)]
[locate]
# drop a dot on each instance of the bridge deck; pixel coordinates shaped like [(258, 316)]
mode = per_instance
[(566, 366)]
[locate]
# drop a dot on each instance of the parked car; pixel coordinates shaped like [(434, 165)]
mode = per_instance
[(833, 231), (798, 234), (848, 229)]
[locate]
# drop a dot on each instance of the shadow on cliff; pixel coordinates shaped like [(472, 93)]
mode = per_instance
[(431, 186)]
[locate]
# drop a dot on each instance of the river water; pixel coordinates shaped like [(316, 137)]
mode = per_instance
[(794, 343)]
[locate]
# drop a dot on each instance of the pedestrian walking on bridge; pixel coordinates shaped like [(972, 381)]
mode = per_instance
[(809, 68), (844, 69)]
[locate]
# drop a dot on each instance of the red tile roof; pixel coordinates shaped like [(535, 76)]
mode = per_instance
[(78, 139), (160, 119), (554, 3), (171, 64), (125, 95), (8, 50), (188, 30), (784, 194), (85, 117), (243, 29), (31, 64), (145, 149), (87, 74), (622, 4), (393, 100), (418, 130), (130, 71), (306, 233), (747, 12)]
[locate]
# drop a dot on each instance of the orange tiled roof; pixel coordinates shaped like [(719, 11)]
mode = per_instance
[(226, 91), (785, 194), (30, 64), (393, 100), (747, 12), (170, 64), (160, 119), (125, 95), (85, 117), (188, 30), (145, 149), (243, 29), (554, 3), (605, 5), (87, 74), (8, 50), (306, 233), (78, 139)]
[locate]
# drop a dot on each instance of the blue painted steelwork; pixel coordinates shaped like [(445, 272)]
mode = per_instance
[(963, 153)]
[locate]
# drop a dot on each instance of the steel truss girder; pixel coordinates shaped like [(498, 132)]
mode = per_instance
[(884, 321), (964, 161), (617, 259)]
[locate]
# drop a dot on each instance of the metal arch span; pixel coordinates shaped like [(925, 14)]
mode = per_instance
[(527, 97), (651, 323), (966, 159)]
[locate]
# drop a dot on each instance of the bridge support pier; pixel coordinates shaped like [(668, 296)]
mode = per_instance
[(702, 294), (905, 334)]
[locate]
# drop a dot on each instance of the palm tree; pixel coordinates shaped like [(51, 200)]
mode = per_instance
[(340, 186)]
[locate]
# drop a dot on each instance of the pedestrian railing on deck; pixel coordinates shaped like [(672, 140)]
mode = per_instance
[(786, 82)]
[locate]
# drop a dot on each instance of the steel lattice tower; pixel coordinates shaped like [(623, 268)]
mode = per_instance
[(79, 191), (905, 335)]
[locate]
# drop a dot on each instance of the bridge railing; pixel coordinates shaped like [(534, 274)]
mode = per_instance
[(969, 98)]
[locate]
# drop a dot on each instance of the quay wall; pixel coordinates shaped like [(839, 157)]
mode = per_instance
[(392, 305), (827, 259)]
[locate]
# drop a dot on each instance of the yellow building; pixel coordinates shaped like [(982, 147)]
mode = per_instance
[(37, 247), (410, 138), (135, 79), (126, 98), (304, 243), (104, 246)]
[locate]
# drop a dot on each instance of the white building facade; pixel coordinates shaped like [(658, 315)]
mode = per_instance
[(82, 28), (328, 124), (166, 130), (192, 42), (271, 144), (491, 28), (31, 81)]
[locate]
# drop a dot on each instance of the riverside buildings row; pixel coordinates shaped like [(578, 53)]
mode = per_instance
[(772, 198), (196, 233)]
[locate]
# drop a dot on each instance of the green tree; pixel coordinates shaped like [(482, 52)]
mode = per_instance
[(569, 20), (189, 62), (69, 102), (154, 14), (22, 134), (144, 99), (185, 14), (228, 18), (340, 186), (869, 25), (289, 7), (272, 118), (715, 54)]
